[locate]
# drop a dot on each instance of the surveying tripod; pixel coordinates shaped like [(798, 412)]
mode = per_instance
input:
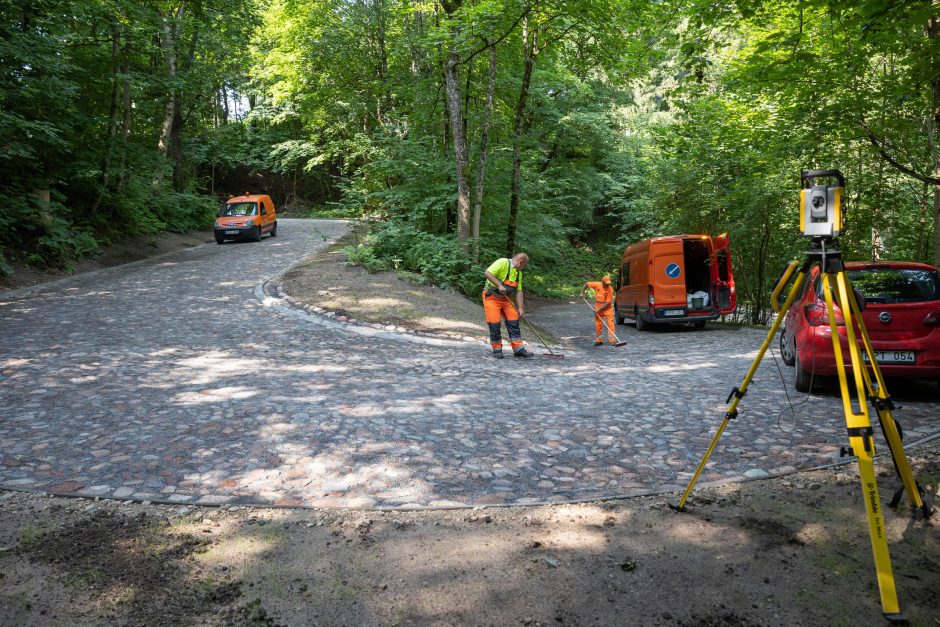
[(825, 252)]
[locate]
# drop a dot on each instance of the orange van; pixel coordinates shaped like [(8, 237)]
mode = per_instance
[(676, 278), (246, 217)]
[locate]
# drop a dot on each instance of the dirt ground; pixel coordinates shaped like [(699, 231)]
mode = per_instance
[(125, 251), (326, 280), (785, 551)]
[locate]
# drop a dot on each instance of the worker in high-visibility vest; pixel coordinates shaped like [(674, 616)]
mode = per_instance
[(603, 307), (504, 282)]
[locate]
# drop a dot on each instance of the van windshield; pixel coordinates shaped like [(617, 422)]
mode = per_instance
[(239, 209)]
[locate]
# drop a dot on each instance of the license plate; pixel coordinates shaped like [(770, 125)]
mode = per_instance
[(891, 357), (674, 312), (232, 232)]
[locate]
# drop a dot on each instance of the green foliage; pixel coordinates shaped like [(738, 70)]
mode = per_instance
[(642, 118), (437, 258)]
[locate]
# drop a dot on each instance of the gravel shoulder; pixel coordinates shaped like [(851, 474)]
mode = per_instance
[(786, 551)]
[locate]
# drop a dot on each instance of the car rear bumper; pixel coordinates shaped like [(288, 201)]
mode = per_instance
[(814, 350)]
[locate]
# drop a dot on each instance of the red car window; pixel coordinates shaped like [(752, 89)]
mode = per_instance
[(896, 285)]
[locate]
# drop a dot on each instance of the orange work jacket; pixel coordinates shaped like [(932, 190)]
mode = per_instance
[(603, 294)]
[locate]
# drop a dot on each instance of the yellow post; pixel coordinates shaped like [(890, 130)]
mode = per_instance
[(878, 392), (861, 438)]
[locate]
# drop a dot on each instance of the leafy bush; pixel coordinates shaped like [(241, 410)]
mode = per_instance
[(436, 259), (556, 270), (364, 255)]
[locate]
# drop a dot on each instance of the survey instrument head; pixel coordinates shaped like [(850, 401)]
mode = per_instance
[(822, 208)]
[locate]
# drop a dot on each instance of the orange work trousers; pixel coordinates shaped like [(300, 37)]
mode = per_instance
[(605, 315), (495, 309)]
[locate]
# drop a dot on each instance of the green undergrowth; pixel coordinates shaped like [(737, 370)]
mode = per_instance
[(55, 234), (431, 259)]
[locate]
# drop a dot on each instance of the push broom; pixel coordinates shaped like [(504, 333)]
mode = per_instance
[(551, 354), (618, 343)]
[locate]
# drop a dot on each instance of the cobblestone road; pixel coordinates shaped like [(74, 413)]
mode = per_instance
[(169, 379)]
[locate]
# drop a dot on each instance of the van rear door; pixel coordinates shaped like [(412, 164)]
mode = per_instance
[(667, 273), (722, 276)]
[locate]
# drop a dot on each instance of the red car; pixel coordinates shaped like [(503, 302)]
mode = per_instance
[(902, 315)]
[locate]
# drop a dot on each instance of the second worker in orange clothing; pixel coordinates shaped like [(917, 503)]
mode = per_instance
[(603, 307)]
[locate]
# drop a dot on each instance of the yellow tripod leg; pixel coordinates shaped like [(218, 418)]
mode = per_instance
[(883, 406), (861, 441), (738, 393)]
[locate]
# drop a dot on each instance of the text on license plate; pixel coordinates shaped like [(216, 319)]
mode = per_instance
[(891, 357), (231, 232), (674, 312)]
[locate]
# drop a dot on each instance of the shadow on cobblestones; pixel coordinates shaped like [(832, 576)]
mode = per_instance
[(170, 381)]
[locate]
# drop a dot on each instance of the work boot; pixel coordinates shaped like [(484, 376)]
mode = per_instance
[(498, 353), (597, 343), (522, 352)]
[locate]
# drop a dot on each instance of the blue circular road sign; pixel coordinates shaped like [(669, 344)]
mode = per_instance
[(673, 270)]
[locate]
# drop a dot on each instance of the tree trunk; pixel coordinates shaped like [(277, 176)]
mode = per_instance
[(481, 165), (757, 314), (385, 104), (460, 150), (529, 52), (225, 111), (461, 161), (112, 115), (126, 117), (176, 151), (169, 49), (933, 32)]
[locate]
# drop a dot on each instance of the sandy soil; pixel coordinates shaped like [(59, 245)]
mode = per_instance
[(786, 551), (327, 280)]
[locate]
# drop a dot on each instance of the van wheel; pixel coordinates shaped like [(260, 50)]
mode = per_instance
[(274, 230), (641, 324), (699, 324), (804, 379), (786, 350), (258, 235), (618, 319), (219, 240)]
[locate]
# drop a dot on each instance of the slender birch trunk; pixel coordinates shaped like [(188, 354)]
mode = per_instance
[(529, 43), (481, 164)]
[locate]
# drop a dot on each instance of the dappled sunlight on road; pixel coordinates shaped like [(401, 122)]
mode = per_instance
[(191, 398), (209, 367), (680, 367)]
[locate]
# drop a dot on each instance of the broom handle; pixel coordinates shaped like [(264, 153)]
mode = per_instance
[(511, 304), (599, 317)]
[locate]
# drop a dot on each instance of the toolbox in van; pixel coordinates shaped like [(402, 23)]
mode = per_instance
[(675, 278)]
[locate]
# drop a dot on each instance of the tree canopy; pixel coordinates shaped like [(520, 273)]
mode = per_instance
[(469, 129)]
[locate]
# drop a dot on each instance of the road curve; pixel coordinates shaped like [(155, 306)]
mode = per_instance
[(169, 380)]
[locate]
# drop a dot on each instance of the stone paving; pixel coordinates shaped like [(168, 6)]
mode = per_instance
[(171, 380)]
